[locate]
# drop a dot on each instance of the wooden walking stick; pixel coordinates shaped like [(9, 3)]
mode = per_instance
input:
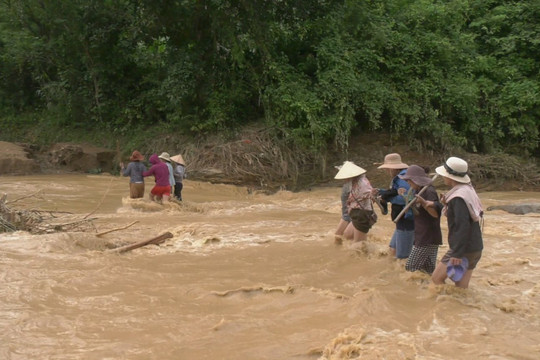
[(411, 203)]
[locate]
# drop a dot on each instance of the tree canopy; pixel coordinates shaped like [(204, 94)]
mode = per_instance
[(439, 72)]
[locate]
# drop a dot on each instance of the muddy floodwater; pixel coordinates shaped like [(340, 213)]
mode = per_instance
[(251, 276)]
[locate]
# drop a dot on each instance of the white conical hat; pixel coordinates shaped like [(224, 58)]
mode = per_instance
[(349, 170), (178, 159)]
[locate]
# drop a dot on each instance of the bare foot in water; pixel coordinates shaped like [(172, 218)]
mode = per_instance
[(358, 246)]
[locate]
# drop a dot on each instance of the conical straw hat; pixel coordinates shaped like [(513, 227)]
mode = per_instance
[(178, 159), (349, 170)]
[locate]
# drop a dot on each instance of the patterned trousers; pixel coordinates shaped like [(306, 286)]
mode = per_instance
[(423, 258)]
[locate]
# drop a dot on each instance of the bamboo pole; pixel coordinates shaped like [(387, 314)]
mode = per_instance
[(59, 226), (413, 201), (157, 240)]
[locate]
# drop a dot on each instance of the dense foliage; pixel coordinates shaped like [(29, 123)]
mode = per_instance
[(438, 72)]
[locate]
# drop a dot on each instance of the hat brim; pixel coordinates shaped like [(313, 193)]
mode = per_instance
[(460, 179), (418, 180), (349, 176), (393, 166), (349, 170)]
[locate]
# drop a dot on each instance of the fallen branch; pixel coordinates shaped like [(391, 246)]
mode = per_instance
[(38, 221), (23, 197), (116, 229), (17, 220), (156, 241), (75, 222), (52, 213), (82, 221), (6, 225)]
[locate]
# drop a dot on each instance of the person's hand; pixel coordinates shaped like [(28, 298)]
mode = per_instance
[(374, 191), (401, 191), (422, 202), (443, 199)]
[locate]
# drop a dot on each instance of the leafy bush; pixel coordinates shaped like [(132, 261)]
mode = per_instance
[(439, 73)]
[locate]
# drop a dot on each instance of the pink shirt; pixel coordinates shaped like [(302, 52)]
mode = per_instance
[(360, 196), (159, 170)]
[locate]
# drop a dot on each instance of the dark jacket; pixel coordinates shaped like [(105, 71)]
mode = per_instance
[(464, 234)]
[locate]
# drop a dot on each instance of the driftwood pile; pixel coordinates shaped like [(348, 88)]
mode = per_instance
[(45, 221), (39, 221), (257, 158)]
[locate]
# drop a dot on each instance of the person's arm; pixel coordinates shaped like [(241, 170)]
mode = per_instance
[(149, 172), (388, 194), (126, 171), (404, 190), (172, 180), (428, 205), (181, 171), (392, 194), (430, 202)]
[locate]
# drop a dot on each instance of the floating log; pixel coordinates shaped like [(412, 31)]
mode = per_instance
[(156, 241)]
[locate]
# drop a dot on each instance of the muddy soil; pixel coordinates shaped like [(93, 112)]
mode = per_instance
[(27, 159)]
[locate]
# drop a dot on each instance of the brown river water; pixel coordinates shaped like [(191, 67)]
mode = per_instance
[(251, 276)]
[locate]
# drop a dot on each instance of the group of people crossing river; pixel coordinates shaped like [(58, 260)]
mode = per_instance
[(168, 171), (416, 209), (411, 200)]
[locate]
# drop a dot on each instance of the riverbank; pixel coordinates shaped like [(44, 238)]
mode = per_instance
[(255, 159)]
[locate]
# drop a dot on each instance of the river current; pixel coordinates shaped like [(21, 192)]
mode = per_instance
[(250, 276)]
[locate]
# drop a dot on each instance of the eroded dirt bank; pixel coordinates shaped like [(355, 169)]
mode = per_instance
[(255, 161)]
